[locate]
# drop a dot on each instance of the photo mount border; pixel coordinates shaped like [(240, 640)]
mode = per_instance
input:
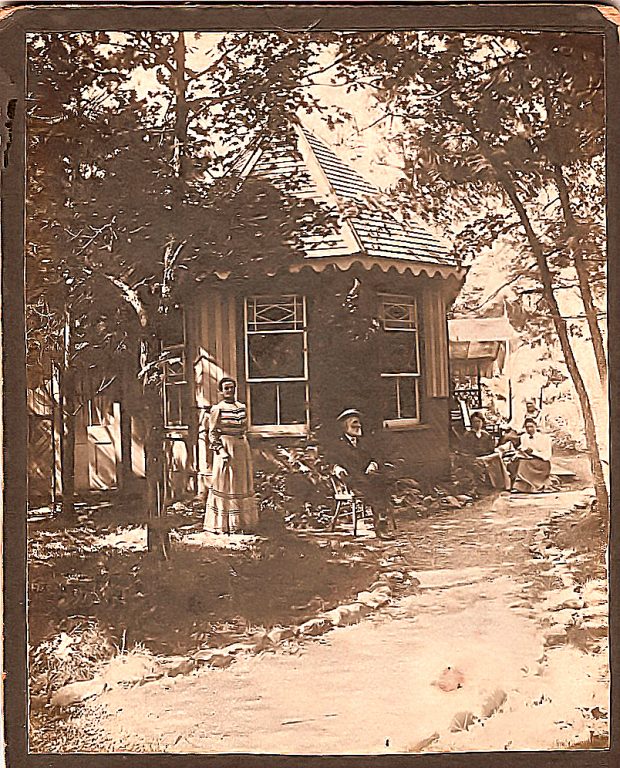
[(15, 24)]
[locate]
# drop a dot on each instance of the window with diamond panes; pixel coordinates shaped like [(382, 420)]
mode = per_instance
[(276, 361), (400, 359), (175, 368)]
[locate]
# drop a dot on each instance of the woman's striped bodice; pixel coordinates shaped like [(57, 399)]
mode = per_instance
[(232, 419)]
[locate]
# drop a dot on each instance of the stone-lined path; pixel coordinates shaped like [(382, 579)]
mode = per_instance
[(494, 642)]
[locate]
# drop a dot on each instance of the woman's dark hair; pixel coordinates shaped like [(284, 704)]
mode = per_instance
[(530, 421), (477, 415), (221, 382)]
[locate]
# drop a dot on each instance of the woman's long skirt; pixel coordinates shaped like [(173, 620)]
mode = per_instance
[(531, 475), (231, 504), (496, 471)]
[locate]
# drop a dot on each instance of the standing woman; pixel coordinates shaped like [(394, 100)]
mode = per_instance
[(231, 504)]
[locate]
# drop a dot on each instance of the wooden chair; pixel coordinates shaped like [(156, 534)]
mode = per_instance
[(345, 497)]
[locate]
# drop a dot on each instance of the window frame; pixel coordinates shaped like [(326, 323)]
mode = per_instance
[(181, 349), (99, 411), (277, 429), (408, 422)]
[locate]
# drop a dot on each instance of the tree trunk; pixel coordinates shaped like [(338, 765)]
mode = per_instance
[(67, 449), (68, 410), (600, 487), (157, 534), (126, 464), (182, 111), (584, 282)]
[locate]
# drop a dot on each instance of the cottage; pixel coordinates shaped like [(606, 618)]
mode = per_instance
[(356, 318)]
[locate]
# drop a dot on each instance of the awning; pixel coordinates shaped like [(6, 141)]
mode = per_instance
[(475, 350)]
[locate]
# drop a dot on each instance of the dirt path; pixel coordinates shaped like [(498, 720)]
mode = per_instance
[(467, 661)]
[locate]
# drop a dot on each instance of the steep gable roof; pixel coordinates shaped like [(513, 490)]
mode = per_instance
[(367, 228)]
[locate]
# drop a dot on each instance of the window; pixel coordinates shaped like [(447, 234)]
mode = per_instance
[(400, 361), (100, 411), (175, 368), (276, 363)]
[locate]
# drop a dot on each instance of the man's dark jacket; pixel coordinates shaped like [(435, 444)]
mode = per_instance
[(354, 459)]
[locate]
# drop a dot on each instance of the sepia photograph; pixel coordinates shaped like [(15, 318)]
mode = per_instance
[(317, 391)]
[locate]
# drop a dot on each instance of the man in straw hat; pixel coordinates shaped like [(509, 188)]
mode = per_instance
[(355, 465)]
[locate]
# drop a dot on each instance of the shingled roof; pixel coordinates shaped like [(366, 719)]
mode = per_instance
[(367, 229)]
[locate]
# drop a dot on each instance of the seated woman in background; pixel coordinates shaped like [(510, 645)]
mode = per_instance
[(478, 446), (477, 441), (532, 463)]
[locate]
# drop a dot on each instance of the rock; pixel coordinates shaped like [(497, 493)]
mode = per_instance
[(452, 501), (464, 498), (563, 598), (129, 668), (423, 743), (450, 679), (259, 640), (554, 638), (315, 627), (574, 604), (493, 702), (214, 657), (382, 586), (221, 662), (74, 693), (344, 615), (176, 665), (599, 610), (596, 628), (565, 617), (364, 597), (235, 648), (278, 634), (373, 599), (462, 721), (393, 576), (379, 597)]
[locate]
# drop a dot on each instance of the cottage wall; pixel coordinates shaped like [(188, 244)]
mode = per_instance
[(217, 320)]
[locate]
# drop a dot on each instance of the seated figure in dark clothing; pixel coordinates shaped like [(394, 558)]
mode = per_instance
[(355, 464), (477, 441), (478, 457)]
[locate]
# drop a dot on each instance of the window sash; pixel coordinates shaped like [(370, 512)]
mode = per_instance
[(407, 308), (397, 379), (175, 382), (292, 321), (279, 407), (174, 397), (297, 318), (409, 314), (99, 411)]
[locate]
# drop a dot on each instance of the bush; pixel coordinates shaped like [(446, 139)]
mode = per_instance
[(293, 482)]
